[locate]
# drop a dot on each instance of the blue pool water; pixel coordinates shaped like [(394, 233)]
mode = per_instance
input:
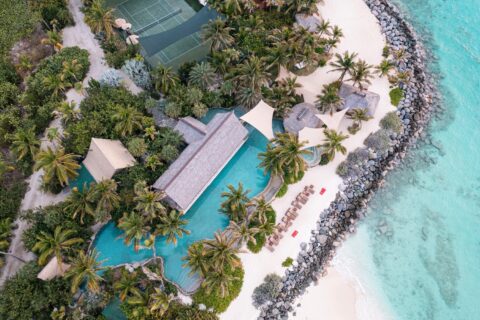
[(204, 216), (84, 177), (429, 267)]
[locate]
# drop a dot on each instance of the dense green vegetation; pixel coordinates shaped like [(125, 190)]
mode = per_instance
[(25, 297), (396, 95)]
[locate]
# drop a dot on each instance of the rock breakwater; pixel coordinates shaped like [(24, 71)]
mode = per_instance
[(339, 220)]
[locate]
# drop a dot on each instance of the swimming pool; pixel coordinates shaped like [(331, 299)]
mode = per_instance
[(84, 176), (204, 216)]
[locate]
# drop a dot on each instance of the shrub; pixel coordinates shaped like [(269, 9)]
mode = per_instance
[(8, 94), (26, 297), (12, 189), (55, 10), (257, 247), (268, 290), (214, 300), (137, 147), (287, 262), (173, 110), (110, 78), (169, 153), (138, 72), (37, 92), (282, 191), (379, 141), (180, 311), (392, 122), (199, 110), (396, 95)]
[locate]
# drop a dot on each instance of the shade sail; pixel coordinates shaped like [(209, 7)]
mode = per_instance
[(261, 118), (105, 157), (332, 121), (52, 270), (312, 136)]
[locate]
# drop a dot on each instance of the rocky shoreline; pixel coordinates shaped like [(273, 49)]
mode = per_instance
[(339, 220)]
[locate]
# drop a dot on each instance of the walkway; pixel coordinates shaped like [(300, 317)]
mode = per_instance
[(81, 36)]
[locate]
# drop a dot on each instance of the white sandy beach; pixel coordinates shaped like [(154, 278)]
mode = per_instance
[(362, 35)]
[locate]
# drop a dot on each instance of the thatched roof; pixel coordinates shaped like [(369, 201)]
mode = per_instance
[(105, 157), (354, 98), (302, 115), (202, 160), (309, 22)]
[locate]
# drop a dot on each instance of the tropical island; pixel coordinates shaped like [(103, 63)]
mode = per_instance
[(169, 159)]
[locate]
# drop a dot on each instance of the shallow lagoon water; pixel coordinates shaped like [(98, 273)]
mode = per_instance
[(204, 216), (426, 264)]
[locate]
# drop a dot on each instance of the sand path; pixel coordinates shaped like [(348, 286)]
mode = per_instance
[(81, 36), (362, 35)]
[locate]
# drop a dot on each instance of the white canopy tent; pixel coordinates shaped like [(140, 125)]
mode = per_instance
[(332, 121), (261, 117), (312, 136), (105, 157), (52, 270)]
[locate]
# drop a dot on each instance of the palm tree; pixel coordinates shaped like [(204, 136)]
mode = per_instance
[(242, 232), (324, 28), (80, 203), (84, 268), (218, 33), (329, 100), (333, 143), (384, 68), (68, 113), (196, 259), (262, 207), (128, 120), (164, 78), (235, 201), (344, 64), (158, 302), (57, 165), (359, 115), (126, 284), (140, 300), (218, 280), (401, 55), (54, 135), (53, 39), (107, 199), (71, 69), (401, 78), (301, 6), (284, 155), (277, 56), (202, 75), (171, 226), (248, 97), (100, 18), (25, 143), (148, 201), (361, 74), (252, 74), (56, 84), (134, 228), (222, 251), (55, 244)]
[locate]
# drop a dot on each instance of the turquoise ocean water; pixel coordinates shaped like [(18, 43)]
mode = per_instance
[(424, 227)]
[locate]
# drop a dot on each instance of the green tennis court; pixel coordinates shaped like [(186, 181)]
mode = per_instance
[(153, 17)]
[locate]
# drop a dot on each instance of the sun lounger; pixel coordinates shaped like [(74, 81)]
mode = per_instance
[(301, 198), (296, 205), (322, 191), (294, 233)]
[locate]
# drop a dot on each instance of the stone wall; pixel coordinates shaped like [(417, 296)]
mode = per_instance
[(336, 222)]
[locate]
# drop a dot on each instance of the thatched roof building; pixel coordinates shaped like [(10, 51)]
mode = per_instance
[(354, 98), (302, 116), (210, 148)]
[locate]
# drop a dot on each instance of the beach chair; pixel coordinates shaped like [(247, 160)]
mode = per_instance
[(296, 205)]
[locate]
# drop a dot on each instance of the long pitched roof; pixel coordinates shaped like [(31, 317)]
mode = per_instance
[(202, 160)]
